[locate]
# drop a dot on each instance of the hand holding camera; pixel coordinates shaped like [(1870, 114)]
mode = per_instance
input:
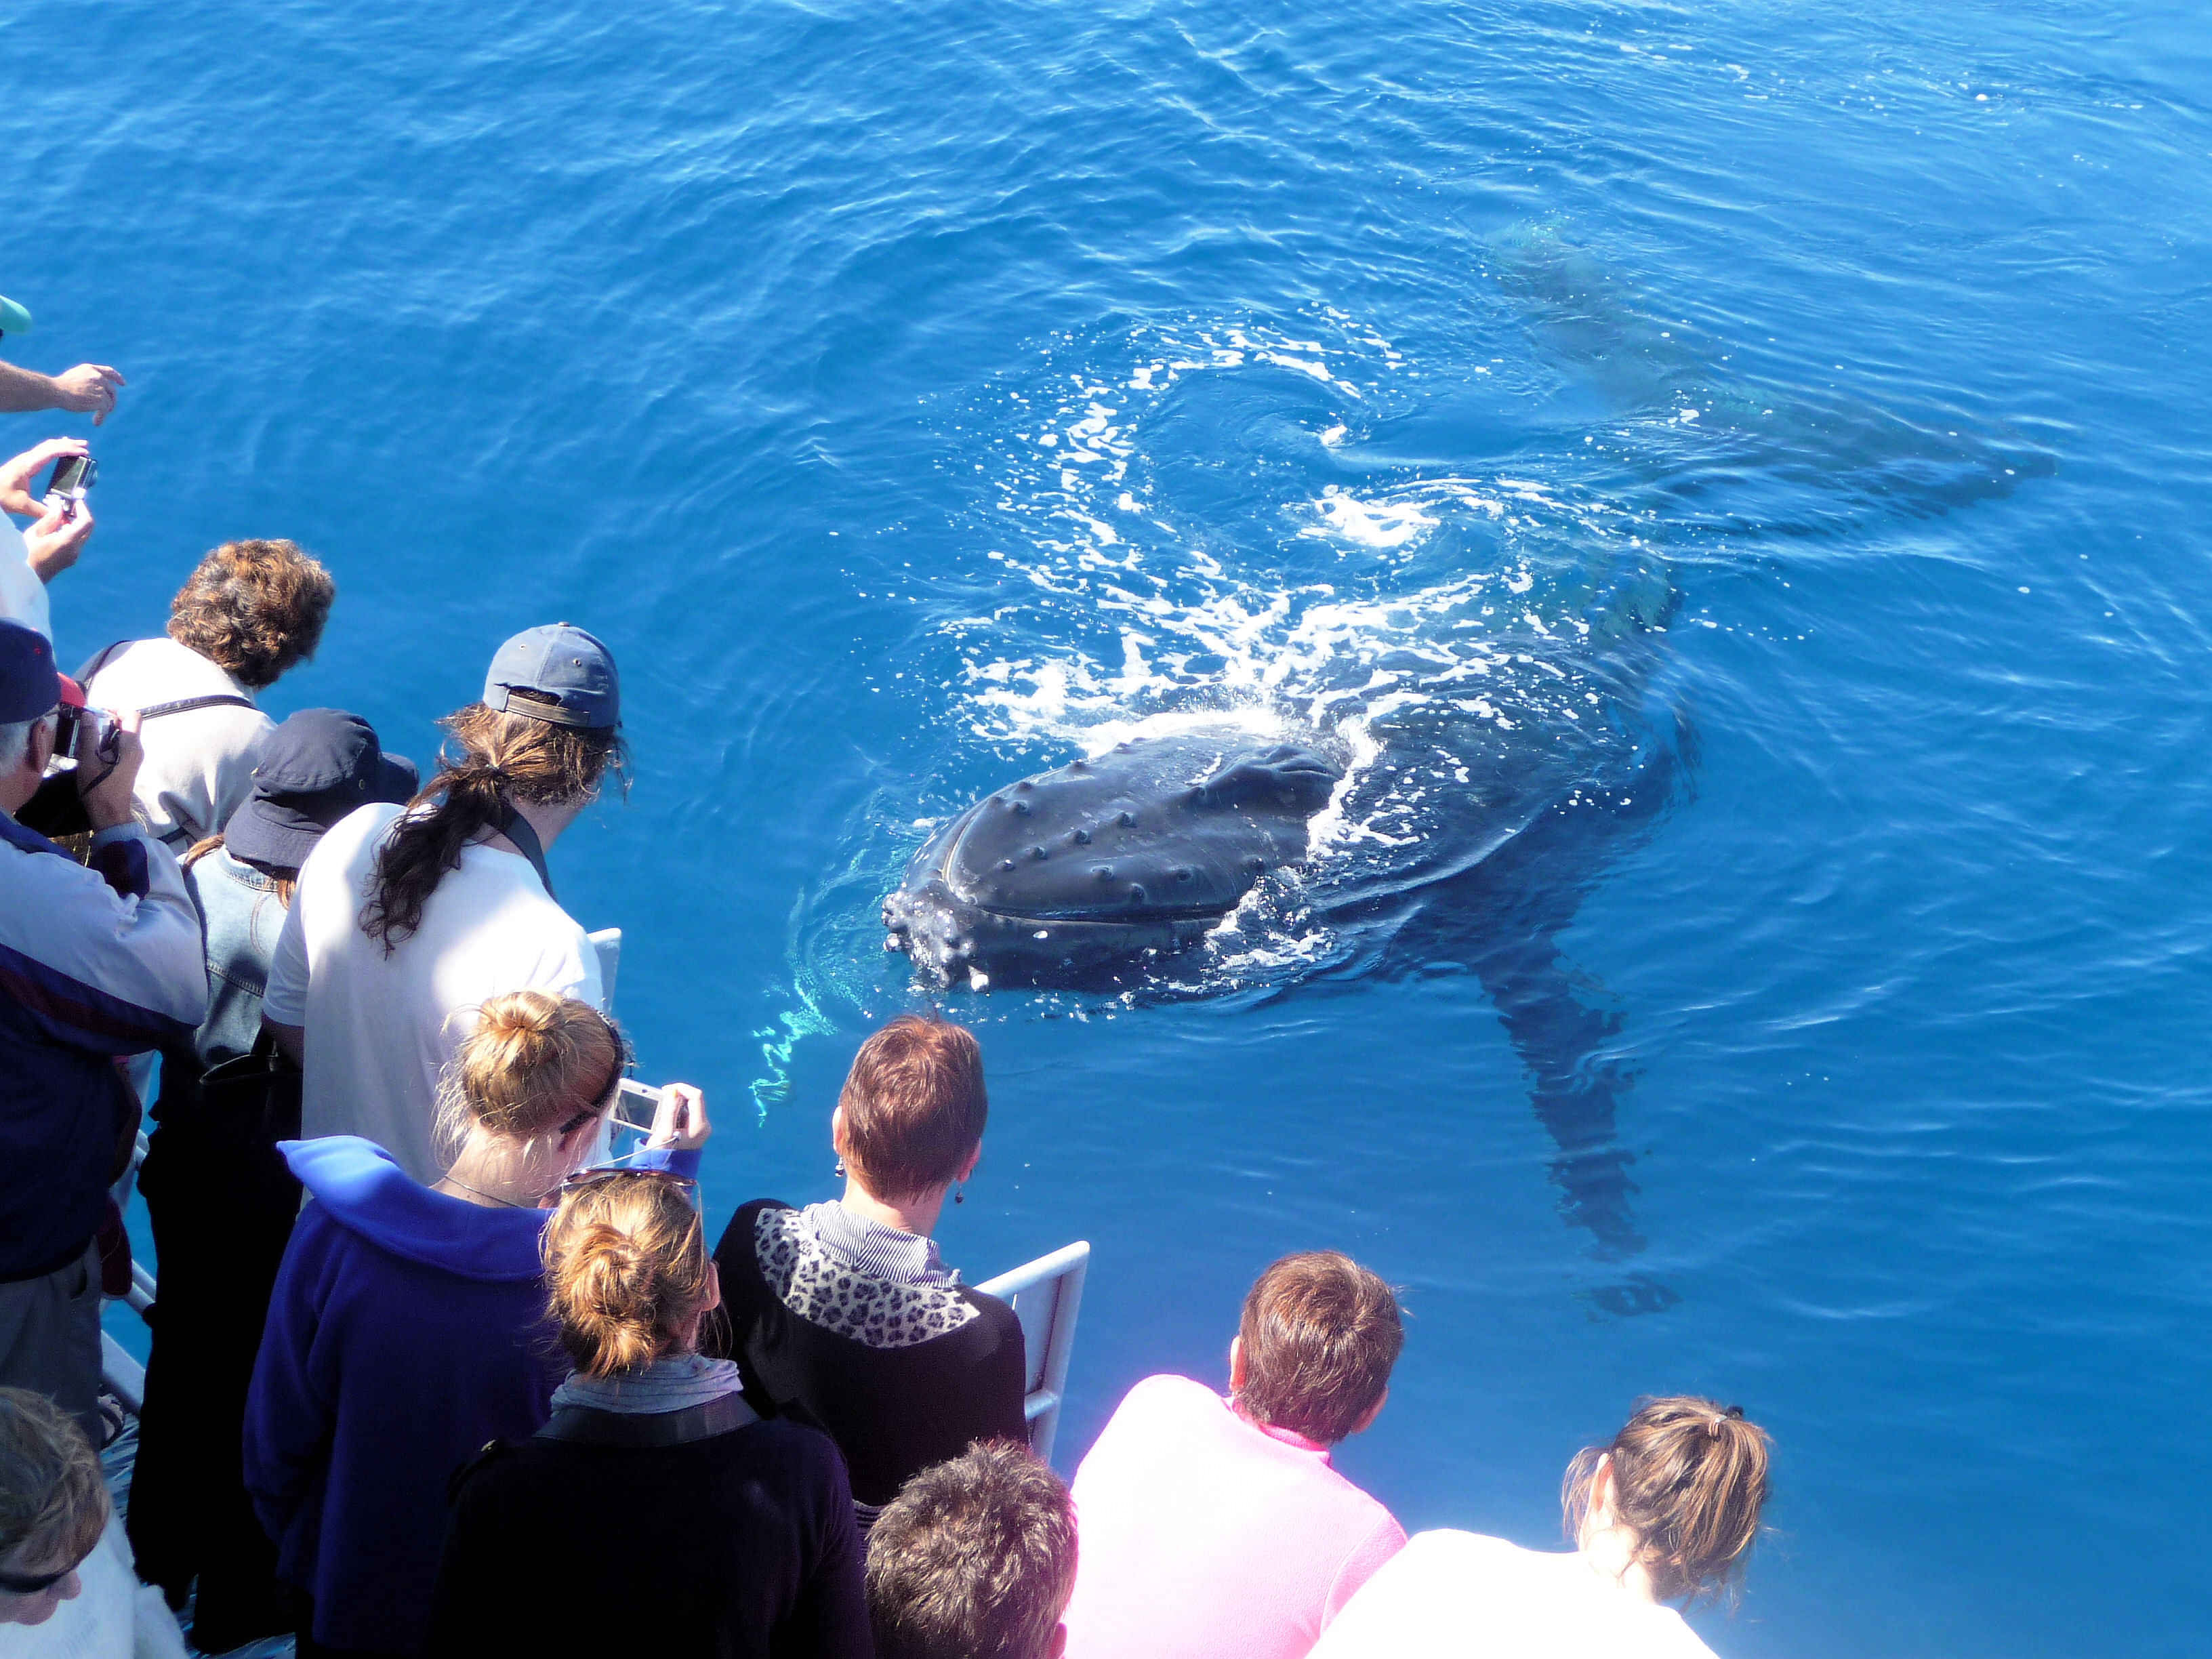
[(16, 474), (673, 1116), (59, 536), (65, 522), (107, 753)]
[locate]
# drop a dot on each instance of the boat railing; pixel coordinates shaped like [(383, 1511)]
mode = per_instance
[(125, 1377), (1047, 1294)]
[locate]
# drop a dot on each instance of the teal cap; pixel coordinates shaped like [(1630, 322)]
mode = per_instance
[(14, 319)]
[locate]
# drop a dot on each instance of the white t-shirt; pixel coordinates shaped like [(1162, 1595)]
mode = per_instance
[(1458, 1595), (22, 595), (379, 1030), (198, 767)]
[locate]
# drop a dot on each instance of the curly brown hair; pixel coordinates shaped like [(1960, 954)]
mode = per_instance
[(974, 1559), (253, 609)]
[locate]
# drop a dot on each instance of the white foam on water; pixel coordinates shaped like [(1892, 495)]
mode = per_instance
[(1350, 618), (1369, 523)]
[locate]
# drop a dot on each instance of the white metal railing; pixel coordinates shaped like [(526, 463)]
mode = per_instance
[(1047, 1294)]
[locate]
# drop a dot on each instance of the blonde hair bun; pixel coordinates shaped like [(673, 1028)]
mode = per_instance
[(532, 1063), (626, 1271)]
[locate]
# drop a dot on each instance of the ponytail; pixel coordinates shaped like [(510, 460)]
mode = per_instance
[(1689, 1481), (627, 1272), (491, 759)]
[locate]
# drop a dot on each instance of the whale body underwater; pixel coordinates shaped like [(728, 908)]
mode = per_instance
[(1440, 795)]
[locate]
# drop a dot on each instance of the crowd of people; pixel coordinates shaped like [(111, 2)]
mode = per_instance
[(438, 1369)]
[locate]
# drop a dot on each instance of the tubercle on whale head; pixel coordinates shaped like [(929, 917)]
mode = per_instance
[(986, 899)]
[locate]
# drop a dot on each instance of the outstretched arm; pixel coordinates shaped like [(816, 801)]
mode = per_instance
[(87, 389)]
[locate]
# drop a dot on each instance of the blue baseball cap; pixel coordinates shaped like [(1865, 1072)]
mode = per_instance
[(564, 675), (14, 319), (30, 685), (313, 770)]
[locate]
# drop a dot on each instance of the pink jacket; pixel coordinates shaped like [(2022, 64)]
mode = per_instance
[(1204, 1535)]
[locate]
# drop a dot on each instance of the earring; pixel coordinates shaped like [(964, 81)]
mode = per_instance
[(840, 1170), (960, 1193)]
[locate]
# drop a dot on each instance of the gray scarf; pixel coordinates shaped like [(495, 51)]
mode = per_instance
[(667, 1385)]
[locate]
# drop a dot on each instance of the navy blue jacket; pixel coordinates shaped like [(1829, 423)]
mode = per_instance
[(407, 1330), (95, 964)]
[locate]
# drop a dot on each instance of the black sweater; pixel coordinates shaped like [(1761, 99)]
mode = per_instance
[(739, 1547), (893, 1410)]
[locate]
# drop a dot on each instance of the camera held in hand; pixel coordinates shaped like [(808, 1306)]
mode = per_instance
[(73, 474), (86, 733)]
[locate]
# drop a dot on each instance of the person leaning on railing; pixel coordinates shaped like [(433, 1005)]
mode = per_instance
[(736, 1534), (407, 1327), (1667, 1510), (406, 920), (843, 1314), (96, 963), (1217, 1529)]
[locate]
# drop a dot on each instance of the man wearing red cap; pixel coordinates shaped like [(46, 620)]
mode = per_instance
[(95, 964)]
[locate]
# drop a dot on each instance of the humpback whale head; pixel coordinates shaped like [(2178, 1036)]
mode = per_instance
[(1063, 876)]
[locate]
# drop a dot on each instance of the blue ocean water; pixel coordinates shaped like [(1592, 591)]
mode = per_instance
[(915, 395)]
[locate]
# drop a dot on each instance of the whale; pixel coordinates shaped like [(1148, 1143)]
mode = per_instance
[(1064, 877), (1429, 755)]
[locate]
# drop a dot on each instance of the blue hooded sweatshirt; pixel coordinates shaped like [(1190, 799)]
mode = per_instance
[(407, 1329)]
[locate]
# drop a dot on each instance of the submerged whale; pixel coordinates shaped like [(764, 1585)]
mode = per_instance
[(1066, 876), (1432, 752)]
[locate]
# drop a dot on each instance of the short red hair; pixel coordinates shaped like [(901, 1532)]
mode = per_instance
[(1320, 1336), (913, 1106)]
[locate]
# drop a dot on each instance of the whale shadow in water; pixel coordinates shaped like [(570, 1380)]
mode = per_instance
[(1689, 452), (1502, 920)]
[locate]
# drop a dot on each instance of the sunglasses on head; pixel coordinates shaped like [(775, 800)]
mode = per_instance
[(587, 1178), (625, 1063), (16, 1584)]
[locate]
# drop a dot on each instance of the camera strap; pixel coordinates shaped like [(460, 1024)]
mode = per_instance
[(100, 661), (185, 705), (181, 706), (516, 828)]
